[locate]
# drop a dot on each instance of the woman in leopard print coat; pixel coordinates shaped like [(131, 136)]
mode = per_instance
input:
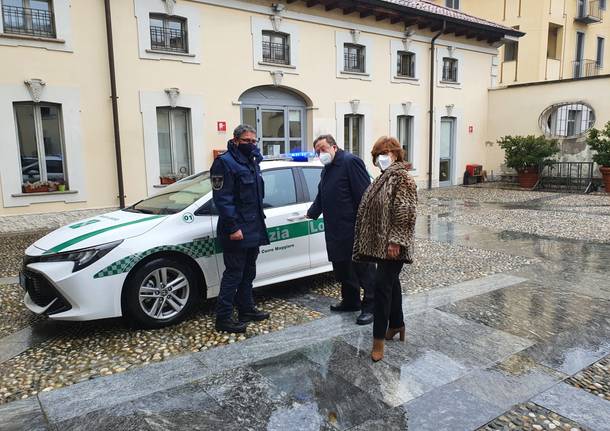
[(384, 234)]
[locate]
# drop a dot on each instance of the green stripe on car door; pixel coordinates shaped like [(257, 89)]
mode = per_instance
[(83, 237)]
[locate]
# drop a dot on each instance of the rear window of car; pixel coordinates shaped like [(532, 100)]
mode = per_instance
[(176, 197), (312, 179)]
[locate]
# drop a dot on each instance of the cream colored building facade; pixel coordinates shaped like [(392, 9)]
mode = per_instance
[(564, 38), (188, 71)]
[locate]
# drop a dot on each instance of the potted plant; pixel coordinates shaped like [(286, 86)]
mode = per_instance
[(170, 178), (36, 187), (61, 187), (599, 141), (526, 155)]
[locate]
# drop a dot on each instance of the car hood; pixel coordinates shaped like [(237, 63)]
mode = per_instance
[(98, 230)]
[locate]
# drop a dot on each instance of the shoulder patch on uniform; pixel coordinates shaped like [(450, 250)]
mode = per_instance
[(217, 181)]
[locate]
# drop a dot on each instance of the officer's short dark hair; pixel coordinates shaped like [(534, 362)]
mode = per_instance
[(243, 128), (328, 138)]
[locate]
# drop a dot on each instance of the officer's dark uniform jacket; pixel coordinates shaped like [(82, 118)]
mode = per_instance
[(341, 187), (238, 193)]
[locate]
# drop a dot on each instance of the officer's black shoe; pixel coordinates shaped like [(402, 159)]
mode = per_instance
[(342, 307), (230, 325), (253, 315), (365, 318)]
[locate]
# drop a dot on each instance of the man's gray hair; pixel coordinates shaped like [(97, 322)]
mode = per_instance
[(243, 128), (328, 138)]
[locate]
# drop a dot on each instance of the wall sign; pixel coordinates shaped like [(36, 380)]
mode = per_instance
[(470, 129), (221, 126)]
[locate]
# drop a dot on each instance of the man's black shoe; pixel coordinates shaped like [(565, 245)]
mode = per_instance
[(342, 307), (253, 315), (365, 318), (230, 325)]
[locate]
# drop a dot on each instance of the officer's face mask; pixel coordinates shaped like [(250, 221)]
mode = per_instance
[(246, 146), (384, 161)]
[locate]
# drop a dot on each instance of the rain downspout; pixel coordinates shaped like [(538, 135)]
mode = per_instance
[(432, 83), (115, 108)]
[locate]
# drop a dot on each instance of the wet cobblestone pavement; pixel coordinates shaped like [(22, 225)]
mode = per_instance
[(508, 328)]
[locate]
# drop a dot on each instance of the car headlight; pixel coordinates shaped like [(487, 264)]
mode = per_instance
[(81, 258)]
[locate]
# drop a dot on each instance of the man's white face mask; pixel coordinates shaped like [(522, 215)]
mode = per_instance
[(384, 161), (326, 158)]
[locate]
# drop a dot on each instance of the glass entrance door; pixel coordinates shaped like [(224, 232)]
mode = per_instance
[(280, 129), (447, 145)]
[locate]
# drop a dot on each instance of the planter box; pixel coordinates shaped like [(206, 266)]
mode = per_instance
[(39, 189), (166, 181), (605, 171), (528, 177)]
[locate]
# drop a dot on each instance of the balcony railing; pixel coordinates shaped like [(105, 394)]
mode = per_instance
[(278, 53), (354, 63), (168, 39), (28, 22), (585, 68), (589, 11)]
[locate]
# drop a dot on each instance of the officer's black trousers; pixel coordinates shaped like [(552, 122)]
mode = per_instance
[(236, 284), (353, 275), (388, 298)]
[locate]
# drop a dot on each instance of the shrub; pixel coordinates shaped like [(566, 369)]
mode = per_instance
[(599, 141), (521, 152)]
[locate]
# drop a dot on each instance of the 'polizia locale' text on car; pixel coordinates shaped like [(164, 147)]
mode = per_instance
[(152, 262)]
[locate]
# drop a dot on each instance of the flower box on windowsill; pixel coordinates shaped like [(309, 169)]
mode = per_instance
[(43, 187), (165, 181)]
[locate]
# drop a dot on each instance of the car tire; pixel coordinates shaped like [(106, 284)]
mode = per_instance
[(161, 293)]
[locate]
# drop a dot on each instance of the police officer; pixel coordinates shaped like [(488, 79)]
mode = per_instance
[(238, 192)]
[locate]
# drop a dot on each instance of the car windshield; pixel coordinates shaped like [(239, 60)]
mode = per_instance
[(176, 197)]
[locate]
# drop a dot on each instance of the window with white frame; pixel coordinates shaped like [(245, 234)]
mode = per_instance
[(406, 64), (354, 58), (276, 47), (405, 135), (41, 146), (168, 33), (450, 69), (173, 131), (352, 135), (454, 4), (29, 18)]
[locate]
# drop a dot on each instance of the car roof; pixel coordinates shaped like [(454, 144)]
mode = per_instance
[(271, 164)]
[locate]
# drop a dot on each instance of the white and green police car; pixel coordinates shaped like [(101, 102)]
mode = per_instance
[(155, 260)]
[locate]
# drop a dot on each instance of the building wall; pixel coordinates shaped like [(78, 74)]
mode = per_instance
[(508, 115), (534, 18), (221, 68)]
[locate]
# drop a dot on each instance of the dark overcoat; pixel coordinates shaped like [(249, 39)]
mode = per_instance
[(342, 184), (238, 192)]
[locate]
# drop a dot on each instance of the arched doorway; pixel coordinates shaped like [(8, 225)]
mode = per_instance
[(279, 116)]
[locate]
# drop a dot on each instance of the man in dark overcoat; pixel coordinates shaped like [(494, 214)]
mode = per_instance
[(342, 184)]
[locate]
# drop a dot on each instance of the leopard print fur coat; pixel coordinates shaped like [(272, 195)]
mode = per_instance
[(386, 215)]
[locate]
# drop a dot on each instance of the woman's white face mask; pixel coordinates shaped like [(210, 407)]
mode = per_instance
[(384, 161)]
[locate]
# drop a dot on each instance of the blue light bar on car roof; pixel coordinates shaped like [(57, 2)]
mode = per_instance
[(302, 156)]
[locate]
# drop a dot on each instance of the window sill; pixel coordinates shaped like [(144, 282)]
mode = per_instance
[(33, 38), (343, 72), (178, 54), (22, 195), (454, 83), (266, 63), (406, 78), (159, 186)]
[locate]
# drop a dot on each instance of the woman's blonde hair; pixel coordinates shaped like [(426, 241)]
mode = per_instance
[(388, 144)]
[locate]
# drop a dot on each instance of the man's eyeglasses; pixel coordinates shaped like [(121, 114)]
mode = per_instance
[(248, 141)]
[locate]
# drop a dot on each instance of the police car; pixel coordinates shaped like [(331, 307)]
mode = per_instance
[(153, 261)]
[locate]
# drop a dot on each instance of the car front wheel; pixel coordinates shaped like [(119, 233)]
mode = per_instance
[(161, 293)]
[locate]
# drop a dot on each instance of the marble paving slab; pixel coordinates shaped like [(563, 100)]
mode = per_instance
[(536, 312), (328, 396), (577, 405), (82, 398), (22, 415)]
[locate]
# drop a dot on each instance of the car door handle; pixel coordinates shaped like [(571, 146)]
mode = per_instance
[(297, 218)]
